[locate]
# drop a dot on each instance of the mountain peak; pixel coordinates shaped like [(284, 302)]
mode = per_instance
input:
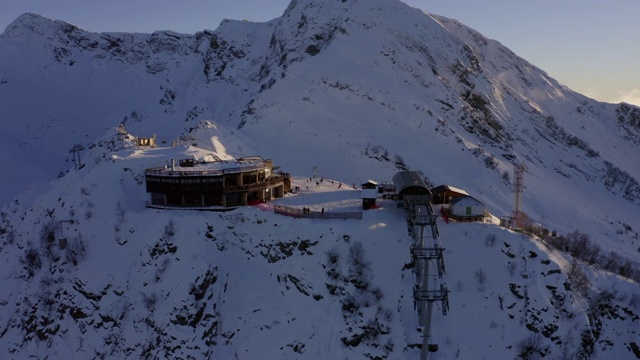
[(353, 90), (31, 23)]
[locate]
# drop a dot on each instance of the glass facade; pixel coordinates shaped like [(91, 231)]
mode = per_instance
[(214, 188)]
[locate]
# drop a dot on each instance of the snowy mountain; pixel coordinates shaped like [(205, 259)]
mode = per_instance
[(359, 90)]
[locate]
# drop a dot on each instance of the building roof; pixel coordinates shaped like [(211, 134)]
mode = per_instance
[(211, 168), (444, 187), (466, 200), (409, 182)]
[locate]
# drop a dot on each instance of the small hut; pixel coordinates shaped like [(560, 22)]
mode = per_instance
[(369, 194), (467, 207)]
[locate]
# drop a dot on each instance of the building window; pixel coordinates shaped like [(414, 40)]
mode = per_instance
[(174, 199), (231, 180), (233, 199), (193, 200), (249, 178), (157, 199), (213, 200), (212, 180), (252, 196)]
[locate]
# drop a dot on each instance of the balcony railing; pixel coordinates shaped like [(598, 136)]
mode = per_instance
[(164, 171), (273, 180), (311, 214)]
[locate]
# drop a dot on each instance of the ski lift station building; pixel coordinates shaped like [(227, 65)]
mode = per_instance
[(410, 183), (216, 184)]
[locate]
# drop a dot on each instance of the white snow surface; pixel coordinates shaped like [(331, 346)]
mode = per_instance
[(359, 89)]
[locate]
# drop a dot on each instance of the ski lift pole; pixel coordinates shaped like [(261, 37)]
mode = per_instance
[(62, 242)]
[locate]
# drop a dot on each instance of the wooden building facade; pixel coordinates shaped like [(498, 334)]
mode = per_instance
[(212, 185)]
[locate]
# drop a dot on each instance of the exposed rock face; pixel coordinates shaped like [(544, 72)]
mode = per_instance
[(360, 89)]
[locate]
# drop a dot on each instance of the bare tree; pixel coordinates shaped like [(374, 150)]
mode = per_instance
[(578, 278)]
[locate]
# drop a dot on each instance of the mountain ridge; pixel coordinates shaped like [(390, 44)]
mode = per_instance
[(464, 98), (358, 90)]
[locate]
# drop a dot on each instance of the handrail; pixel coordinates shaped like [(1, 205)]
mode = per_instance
[(163, 171), (311, 214), (274, 179)]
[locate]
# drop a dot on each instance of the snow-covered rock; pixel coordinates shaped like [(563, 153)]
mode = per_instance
[(358, 90)]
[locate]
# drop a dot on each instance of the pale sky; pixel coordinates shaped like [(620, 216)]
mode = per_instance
[(588, 45)]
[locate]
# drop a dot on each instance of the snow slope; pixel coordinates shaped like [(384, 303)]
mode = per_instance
[(358, 89), (250, 283)]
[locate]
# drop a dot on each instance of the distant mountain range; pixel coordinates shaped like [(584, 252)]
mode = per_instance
[(355, 89)]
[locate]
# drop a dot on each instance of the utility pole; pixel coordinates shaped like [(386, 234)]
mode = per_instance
[(76, 149), (63, 240), (518, 188)]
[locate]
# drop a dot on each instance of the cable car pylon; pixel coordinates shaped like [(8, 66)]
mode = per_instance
[(426, 253)]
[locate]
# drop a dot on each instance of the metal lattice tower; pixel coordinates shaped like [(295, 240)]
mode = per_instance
[(518, 188), (427, 255)]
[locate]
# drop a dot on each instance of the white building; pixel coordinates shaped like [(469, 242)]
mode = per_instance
[(467, 206)]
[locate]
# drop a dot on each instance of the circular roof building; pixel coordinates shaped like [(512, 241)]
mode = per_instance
[(216, 185)]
